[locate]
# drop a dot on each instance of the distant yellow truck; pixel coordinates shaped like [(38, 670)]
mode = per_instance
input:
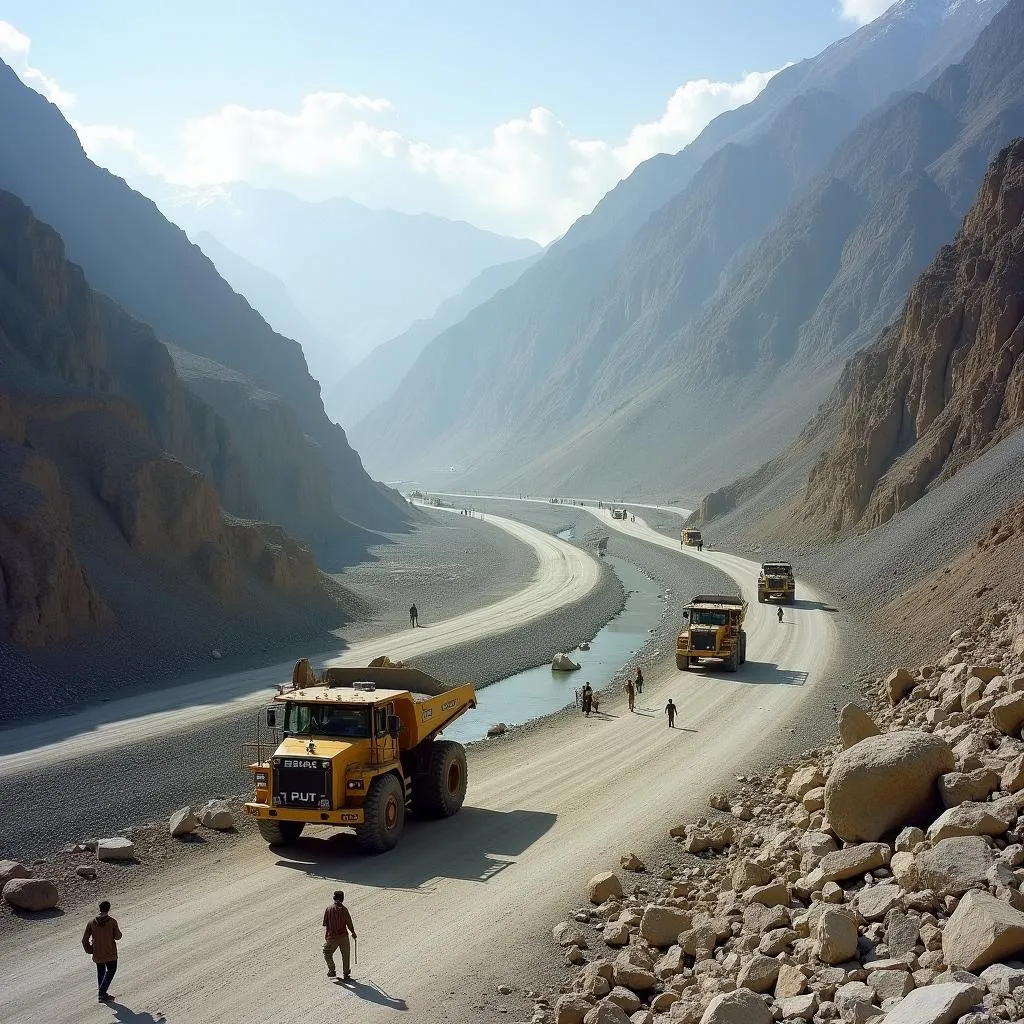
[(354, 748), (690, 539), (776, 583), (713, 629)]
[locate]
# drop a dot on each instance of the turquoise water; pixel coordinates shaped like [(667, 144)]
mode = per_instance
[(539, 691)]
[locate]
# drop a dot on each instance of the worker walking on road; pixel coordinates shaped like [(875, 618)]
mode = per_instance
[(630, 693), (100, 942), (670, 710), (639, 684), (414, 617), (780, 615), (587, 699), (337, 926)]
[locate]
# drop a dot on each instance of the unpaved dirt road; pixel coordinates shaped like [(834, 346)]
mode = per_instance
[(461, 905), (564, 574)]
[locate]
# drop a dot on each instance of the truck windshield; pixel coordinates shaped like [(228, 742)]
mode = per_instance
[(327, 720), (708, 618)]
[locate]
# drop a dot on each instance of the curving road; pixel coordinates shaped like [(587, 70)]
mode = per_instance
[(564, 574)]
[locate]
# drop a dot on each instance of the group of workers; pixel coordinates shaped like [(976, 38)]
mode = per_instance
[(633, 687)]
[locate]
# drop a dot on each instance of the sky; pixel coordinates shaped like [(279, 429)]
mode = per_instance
[(515, 117)]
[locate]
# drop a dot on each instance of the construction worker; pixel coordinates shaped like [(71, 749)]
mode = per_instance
[(337, 925), (670, 710), (414, 617), (630, 693), (639, 684), (100, 942), (587, 698), (780, 615)]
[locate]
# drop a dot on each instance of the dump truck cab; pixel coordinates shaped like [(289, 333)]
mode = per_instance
[(618, 513), (690, 538), (354, 748), (776, 583), (713, 628)]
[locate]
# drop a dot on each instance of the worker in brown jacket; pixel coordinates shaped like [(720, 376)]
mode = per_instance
[(337, 925), (100, 942)]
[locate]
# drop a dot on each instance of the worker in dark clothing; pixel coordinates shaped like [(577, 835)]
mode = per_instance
[(639, 684), (587, 698), (337, 926), (780, 615), (630, 694), (670, 710), (100, 942), (414, 617)]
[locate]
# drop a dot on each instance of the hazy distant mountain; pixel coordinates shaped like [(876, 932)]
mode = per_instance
[(603, 364), (361, 276), (304, 473), (374, 379), (265, 293)]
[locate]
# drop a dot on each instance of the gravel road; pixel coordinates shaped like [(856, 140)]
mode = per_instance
[(457, 908)]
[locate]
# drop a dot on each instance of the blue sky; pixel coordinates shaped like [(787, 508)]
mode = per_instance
[(410, 99)]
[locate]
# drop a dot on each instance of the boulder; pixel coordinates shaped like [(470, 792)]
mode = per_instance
[(624, 999), (960, 787), (117, 848), (953, 866), (898, 685), (87, 871), (890, 984), (902, 933), (967, 820), (748, 873), (634, 970), (875, 902), (854, 860), (631, 862), (33, 894), (835, 937), (790, 982), (799, 1007), (217, 814), (563, 663), (571, 1009), (183, 822), (982, 931), (604, 886), (615, 933), (775, 894), (606, 1013), (883, 782), (1013, 776), (566, 934), (660, 926), (12, 869), (739, 1007), (498, 729), (935, 1004), (805, 779), (855, 724), (698, 838), (759, 974), (855, 1002), (1007, 714)]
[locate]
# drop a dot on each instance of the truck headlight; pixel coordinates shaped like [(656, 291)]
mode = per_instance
[(354, 784)]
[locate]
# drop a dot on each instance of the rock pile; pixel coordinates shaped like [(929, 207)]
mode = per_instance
[(878, 880)]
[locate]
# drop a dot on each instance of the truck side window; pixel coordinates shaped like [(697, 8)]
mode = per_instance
[(380, 723)]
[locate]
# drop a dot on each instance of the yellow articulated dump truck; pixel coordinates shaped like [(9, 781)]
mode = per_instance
[(355, 747), (776, 583), (690, 539), (713, 629)]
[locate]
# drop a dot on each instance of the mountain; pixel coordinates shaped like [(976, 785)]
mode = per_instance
[(304, 473), (574, 376), (945, 382), (375, 378), (114, 478), (265, 293), (361, 276)]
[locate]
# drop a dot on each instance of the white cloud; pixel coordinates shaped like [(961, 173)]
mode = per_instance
[(863, 11), (14, 49), (532, 176)]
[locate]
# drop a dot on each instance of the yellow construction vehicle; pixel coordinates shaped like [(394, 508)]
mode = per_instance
[(776, 583), (618, 513), (713, 629), (690, 539), (354, 748)]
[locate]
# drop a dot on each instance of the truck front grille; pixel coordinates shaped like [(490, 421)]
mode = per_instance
[(301, 782), (703, 640)]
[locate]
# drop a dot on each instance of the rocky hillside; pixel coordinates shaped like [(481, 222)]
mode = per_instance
[(114, 477), (575, 374), (946, 380), (879, 879), (132, 254)]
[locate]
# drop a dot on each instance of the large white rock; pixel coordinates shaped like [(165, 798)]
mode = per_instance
[(884, 782), (604, 886), (661, 926), (566, 934), (606, 1013), (12, 869), (853, 861), (563, 663), (571, 1009), (217, 814), (1007, 713), (954, 865), (856, 1002), (935, 1004), (855, 724), (835, 936), (967, 820), (33, 894), (183, 822), (983, 930), (116, 848), (739, 1007)]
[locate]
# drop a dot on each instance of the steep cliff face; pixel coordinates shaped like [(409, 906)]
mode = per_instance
[(107, 459), (946, 380)]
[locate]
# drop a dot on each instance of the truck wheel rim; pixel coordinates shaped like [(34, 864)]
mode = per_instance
[(391, 813), (454, 778)]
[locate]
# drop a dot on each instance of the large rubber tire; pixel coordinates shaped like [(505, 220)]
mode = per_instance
[(743, 647), (277, 833), (760, 597), (440, 789), (733, 661), (384, 811), (682, 663)]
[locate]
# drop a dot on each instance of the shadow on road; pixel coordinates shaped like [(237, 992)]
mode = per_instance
[(125, 1015), (373, 993), (475, 845), (815, 606), (760, 673)]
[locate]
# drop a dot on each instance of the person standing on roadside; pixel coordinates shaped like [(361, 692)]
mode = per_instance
[(630, 693), (670, 710), (587, 699), (639, 684), (414, 617), (337, 926), (100, 942)]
